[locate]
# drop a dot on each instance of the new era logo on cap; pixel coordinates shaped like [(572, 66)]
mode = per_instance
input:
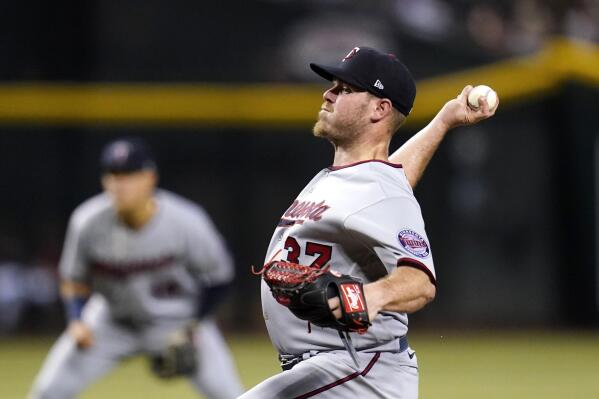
[(378, 85)]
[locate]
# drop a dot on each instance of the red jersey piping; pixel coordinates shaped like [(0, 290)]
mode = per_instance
[(343, 380), (394, 165)]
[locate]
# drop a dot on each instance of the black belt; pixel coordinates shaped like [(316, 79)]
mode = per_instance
[(289, 361)]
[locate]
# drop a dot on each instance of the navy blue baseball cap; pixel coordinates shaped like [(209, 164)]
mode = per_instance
[(125, 155), (381, 74)]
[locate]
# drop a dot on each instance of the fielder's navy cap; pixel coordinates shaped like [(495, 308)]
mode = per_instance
[(378, 73), (126, 155)]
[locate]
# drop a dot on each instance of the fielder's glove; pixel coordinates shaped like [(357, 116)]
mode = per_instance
[(305, 290), (178, 358)]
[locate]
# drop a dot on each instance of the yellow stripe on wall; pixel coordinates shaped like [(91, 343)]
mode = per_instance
[(150, 104), (266, 105)]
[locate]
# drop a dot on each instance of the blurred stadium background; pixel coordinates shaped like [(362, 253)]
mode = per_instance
[(222, 92)]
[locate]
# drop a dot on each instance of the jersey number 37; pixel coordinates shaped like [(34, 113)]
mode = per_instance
[(320, 251)]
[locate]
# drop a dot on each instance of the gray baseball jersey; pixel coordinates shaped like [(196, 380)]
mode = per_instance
[(146, 286), (364, 221), (150, 273)]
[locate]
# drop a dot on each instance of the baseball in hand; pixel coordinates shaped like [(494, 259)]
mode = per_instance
[(482, 91)]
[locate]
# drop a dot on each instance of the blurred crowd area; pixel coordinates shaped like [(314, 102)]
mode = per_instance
[(271, 40), (29, 297)]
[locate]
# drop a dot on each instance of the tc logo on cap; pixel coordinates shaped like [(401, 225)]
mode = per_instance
[(353, 52), (120, 152)]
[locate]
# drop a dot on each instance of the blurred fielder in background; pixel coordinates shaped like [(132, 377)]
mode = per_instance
[(142, 271), (360, 218)]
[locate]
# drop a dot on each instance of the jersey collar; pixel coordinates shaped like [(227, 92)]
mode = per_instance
[(394, 165)]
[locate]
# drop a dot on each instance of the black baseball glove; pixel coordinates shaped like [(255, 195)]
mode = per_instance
[(305, 290), (178, 358)]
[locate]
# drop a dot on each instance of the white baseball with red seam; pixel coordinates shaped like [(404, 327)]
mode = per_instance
[(482, 91)]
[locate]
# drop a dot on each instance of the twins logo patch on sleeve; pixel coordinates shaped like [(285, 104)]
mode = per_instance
[(413, 243), (352, 296)]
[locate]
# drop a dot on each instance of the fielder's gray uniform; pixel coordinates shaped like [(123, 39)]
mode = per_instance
[(364, 221), (146, 286)]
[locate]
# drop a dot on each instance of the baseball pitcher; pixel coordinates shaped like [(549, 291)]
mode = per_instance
[(350, 257)]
